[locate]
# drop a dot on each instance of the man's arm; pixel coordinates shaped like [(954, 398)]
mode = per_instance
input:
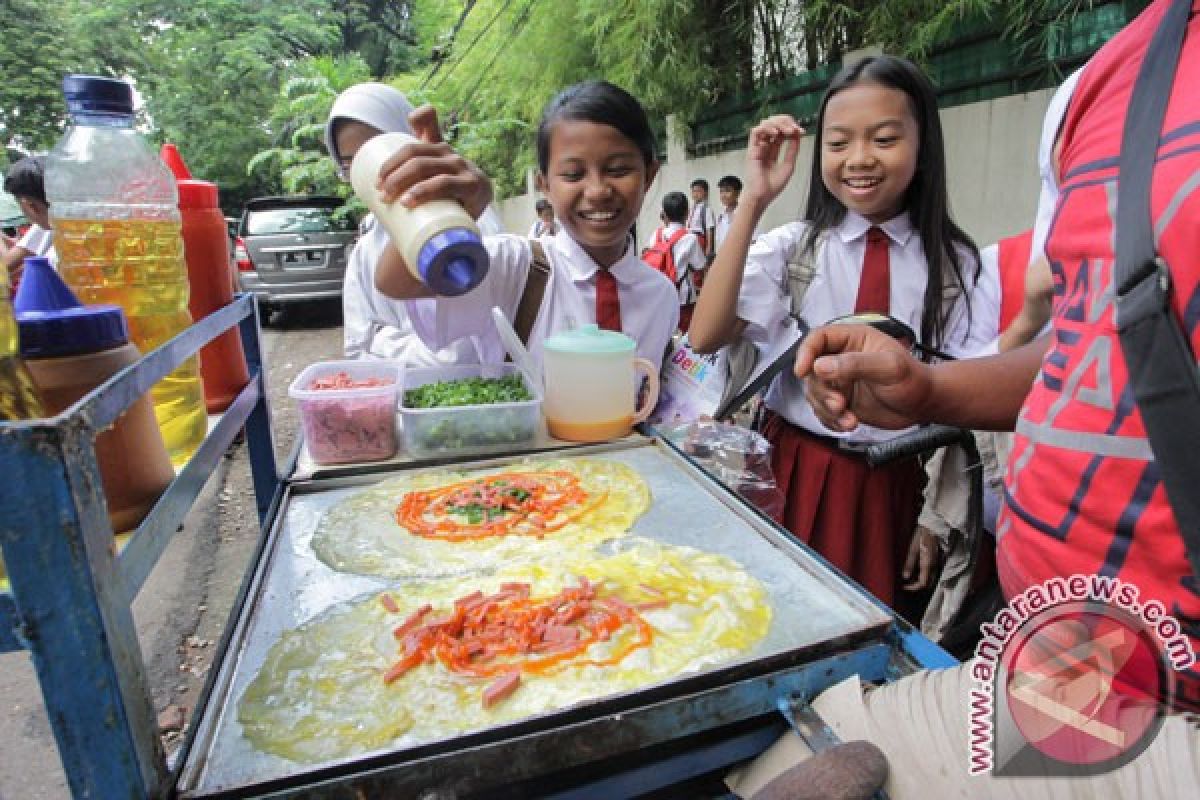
[(858, 375)]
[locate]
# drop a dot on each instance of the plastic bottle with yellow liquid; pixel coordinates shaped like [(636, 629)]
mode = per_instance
[(115, 217)]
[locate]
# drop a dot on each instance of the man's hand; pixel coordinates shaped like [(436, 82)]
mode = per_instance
[(924, 555), (858, 375)]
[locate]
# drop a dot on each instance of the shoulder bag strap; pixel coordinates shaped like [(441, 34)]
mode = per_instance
[(801, 270), (1162, 369), (535, 289)]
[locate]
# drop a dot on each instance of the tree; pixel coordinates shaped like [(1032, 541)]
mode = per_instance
[(33, 60), (298, 159)]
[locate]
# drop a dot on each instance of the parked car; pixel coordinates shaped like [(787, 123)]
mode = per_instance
[(292, 249)]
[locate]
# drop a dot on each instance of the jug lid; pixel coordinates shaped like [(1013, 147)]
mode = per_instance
[(589, 339), (52, 321)]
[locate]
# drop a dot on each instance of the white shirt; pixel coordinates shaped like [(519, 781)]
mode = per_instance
[(40, 242), (377, 326), (649, 305), (538, 229), (724, 221), (689, 259), (1048, 197), (764, 304), (701, 218)]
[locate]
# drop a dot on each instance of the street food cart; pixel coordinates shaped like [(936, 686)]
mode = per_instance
[(71, 595)]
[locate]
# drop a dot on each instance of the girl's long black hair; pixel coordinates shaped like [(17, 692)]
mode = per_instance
[(925, 199)]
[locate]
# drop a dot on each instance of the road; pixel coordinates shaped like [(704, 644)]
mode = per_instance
[(184, 605)]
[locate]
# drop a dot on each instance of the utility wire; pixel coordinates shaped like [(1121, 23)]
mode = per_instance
[(472, 44), (522, 18), (462, 18)]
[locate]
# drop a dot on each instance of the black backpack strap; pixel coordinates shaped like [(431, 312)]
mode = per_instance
[(535, 289), (1162, 369)]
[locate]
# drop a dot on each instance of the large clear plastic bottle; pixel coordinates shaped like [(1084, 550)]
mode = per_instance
[(115, 216)]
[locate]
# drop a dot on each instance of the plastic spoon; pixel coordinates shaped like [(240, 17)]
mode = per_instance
[(520, 355)]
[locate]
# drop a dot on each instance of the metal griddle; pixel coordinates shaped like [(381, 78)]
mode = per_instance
[(820, 622)]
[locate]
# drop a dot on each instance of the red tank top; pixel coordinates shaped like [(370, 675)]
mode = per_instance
[(1012, 260), (1083, 494)]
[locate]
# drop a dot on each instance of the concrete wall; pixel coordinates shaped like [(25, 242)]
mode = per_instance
[(991, 158)]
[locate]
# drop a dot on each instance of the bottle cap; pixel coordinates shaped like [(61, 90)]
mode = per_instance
[(453, 262), (52, 321), (97, 94), (193, 193), (589, 339)]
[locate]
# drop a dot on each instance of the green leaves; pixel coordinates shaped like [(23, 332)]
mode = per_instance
[(468, 392)]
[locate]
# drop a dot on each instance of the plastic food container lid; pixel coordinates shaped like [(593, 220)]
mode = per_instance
[(590, 339), (301, 387), (97, 94)]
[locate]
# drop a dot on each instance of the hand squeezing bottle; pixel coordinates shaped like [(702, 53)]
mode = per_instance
[(439, 240)]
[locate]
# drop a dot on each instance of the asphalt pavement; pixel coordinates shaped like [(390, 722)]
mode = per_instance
[(185, 604)]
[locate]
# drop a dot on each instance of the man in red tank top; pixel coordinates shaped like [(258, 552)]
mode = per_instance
[(1084, 495)]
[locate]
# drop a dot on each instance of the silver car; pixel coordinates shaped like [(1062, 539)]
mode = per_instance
[(291, 249)]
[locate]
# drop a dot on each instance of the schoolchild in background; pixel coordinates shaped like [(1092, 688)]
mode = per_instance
[(25, 181), (545, 224), (729, 188), (680, 249), (376, 326), (701, 220), (878, 225), (596, 159)]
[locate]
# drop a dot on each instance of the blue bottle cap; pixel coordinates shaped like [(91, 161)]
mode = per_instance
[(52, 322), (453, 262), (97, 94)]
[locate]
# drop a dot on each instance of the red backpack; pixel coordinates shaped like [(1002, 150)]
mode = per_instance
[(661, 253)]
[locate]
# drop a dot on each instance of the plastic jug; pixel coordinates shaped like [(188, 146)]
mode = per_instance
[(115, 215), (71, 349), (591, 385), (439, 241), (206, 250)]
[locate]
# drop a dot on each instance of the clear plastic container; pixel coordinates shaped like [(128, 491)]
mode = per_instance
[(115, 215), (468, 428), (348, 425)]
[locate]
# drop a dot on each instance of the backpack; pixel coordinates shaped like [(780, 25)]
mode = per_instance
[(661, 253), (744, 376)]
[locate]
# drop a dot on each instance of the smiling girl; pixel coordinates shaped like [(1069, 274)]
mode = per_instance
[(596, 159), (878, 226)]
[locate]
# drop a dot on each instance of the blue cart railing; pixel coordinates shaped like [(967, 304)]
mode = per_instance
[(71, 592)]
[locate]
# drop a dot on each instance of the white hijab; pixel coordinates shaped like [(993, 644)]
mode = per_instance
[(376, 104)]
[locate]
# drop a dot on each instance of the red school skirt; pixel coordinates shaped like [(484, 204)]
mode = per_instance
[(860, 518)]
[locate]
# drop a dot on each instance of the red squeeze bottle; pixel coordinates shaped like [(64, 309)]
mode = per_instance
[(206, 251)]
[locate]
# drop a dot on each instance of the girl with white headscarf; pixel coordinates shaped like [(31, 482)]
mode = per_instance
[(375, 325)]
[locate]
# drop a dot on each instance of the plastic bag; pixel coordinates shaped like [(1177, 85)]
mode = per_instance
[(737, 457)]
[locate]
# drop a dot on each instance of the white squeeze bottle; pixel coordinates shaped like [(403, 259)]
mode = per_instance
[(439, 240)]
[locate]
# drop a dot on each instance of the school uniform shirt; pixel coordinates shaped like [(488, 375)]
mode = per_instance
[(701, 219), (40, 242), (539, 229), (764, 304), (377, 326), (649, 304), (689, 259), (724, 221)]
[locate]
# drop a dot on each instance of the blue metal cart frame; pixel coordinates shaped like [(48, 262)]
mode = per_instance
[(70, 603)]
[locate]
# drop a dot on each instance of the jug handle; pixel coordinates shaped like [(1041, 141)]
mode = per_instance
[(651, 372)]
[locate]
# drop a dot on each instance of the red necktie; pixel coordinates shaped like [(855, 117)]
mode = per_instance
[(608, 304), (874, 287)]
